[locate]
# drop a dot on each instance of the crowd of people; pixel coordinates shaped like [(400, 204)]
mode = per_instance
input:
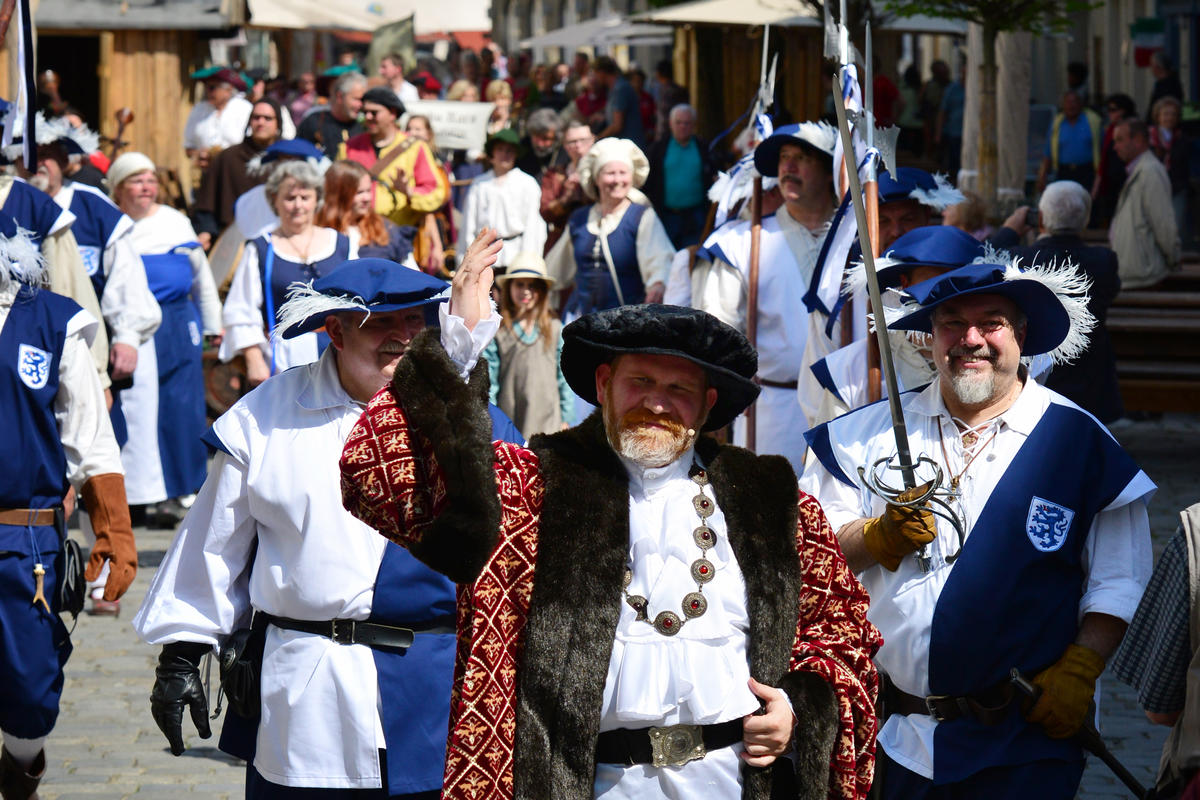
[(561, 448)]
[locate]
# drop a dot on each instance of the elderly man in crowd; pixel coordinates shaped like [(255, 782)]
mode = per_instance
[(1043, 568), (681, 170), (219, 120), (1143, 232), (542, 145), (274, 552), (329, 128), (715, 628), (408, 181)]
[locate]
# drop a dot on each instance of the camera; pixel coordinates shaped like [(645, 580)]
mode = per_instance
[(1031, 218)]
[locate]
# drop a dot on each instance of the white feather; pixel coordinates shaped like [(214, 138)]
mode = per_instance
[(255, 166), (51, 130), (941, 198), (1071, 287), (87, 139), (303, 301), (993, 255), (821, 135), (21, 259), (855, 277)]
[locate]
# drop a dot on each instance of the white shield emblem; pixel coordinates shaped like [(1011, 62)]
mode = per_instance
[(91, 258), (33, 365), (1047, 524)]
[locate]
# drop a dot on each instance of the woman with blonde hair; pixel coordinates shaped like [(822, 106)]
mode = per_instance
[(298, 250), (350, 209), (500, 93), (463, 91)]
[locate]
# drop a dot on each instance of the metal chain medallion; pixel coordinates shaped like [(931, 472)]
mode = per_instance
[(694, 604)]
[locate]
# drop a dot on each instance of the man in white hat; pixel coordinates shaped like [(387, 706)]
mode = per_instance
[(1044, 568), (801, 156)]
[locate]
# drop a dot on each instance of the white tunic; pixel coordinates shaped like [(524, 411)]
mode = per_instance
[(127, 304), (787, 255), (155, 234), (510, 204), (207, 128), (1116, 553), (699, 676), (321, 726)]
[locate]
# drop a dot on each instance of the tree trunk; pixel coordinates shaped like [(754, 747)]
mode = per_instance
[(1014, 74), (987, 121), (968, 174)]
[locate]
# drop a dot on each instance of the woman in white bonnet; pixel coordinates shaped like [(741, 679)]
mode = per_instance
[(615, 251)]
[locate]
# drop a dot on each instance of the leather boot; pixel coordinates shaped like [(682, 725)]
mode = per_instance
[(15, 782)]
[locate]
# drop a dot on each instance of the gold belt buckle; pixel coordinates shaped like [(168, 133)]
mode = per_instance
[(676, 745)]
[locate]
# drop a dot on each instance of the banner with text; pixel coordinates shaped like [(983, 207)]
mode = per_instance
[(456, 125)]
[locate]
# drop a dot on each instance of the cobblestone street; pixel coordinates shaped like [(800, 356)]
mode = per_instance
[(107, 746)]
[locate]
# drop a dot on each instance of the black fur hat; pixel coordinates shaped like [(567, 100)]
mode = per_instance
[(723, 352)]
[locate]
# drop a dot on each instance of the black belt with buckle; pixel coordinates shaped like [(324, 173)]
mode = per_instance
[(372, 634), (989, 706), (667, 745), (775, 384)]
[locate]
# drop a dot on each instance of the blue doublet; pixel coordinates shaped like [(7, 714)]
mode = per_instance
[(34, 645), (178, 346), (34, 210), (594, 290)]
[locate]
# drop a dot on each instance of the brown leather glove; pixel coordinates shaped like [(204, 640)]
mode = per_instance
[(899, 531), (104, 499), (1068, 687)]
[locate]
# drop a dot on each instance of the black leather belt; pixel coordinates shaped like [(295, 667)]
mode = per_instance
[(989, 706), (668, 745), (372, 634)]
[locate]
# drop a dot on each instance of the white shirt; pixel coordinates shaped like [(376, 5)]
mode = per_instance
[(127, 304), (84, 427), (207, 128), (1116, 553), (698, 676), (510, 204)]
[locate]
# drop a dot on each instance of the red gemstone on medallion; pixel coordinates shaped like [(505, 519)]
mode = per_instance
[(667, 623), (695, 604)]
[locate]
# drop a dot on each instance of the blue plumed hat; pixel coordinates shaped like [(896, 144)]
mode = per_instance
[(910, 183), (724, 353), (940, 246), (1052, 296), (370, 285), (817, 136)]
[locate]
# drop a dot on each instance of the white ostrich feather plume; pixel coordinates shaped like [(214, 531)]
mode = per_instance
[(1071, 286), (941, 198), (87, 139), (303, 301), (21, 259)]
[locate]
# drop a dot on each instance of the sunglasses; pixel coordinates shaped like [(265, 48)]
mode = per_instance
[(260, 117)]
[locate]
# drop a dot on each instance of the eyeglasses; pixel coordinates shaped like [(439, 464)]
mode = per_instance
[(261, 117)]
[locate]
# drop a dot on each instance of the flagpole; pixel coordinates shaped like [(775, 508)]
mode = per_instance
[(871, 200)]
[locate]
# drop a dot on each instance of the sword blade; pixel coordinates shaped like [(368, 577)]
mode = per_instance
[(899, 428)]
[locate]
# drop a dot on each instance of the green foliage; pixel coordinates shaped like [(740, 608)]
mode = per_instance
[(1035, 16)]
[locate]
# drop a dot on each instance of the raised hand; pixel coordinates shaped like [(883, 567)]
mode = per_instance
[(471, 289)]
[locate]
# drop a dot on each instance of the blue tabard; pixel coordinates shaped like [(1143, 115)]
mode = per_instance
[(594, 289), (96, 219), (178, 346), (34, 645), (1012, 598), (32, 209)]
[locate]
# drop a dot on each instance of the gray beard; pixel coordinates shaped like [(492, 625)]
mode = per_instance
[(973, 390)]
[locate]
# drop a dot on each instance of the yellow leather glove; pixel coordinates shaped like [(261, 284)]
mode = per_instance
[(1068, 687), (104, 499), (899, 531)]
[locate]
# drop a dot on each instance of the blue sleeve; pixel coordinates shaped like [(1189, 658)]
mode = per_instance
[(566, 397), (503, 429), (491, 354)]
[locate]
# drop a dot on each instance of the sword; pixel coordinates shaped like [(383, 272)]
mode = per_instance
[(1088, 737), (903, 461)]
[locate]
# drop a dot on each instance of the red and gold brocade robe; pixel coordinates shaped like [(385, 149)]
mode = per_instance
[(538, 540)]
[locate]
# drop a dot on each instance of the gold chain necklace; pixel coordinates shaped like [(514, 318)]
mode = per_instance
[(694, 603)]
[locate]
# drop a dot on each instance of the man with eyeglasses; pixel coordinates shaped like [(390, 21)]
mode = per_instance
[(561, 192), (408, 183)]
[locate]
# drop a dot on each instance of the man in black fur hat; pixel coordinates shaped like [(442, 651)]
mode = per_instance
[(631, 593)]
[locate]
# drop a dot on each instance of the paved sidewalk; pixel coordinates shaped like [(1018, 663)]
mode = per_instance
[(107, 746)]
